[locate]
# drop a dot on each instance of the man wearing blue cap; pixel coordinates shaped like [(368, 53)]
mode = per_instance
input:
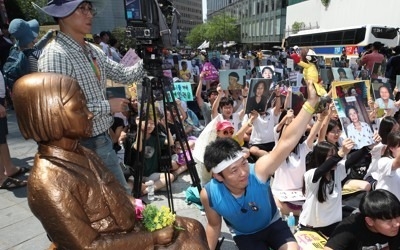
[(71, 55)]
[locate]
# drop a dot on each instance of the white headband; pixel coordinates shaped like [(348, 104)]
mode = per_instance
[(227, 162)]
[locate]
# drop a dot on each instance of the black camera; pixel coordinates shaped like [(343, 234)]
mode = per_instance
[(152, 22)]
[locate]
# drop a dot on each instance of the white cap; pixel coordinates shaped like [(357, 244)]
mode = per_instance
[(311, 53), (295, 47)]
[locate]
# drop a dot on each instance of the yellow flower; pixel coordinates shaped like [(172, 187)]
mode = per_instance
[(154, 218)]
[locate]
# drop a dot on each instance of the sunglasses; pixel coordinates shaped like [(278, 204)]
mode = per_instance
[(228, 132)]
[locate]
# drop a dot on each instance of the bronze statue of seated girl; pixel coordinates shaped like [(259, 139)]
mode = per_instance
[(78, 201)]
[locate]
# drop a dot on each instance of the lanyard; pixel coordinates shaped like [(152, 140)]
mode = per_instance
[(93, 63)]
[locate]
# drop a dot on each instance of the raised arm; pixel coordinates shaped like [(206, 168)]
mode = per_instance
[(348, 144), (325, 123), (215, 106), (266, 165), (277, 109), (285, 120), (316, 128), (199, 99), (242, 131), (245, 92), (287, 104), (180, 110)]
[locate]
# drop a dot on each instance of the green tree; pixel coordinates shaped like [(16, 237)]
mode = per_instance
[(297, 26), (25, 10), (197, 35), (120, 34), (219, 29), (222, 28)]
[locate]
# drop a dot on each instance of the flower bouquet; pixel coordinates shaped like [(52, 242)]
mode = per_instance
[(152, 217)]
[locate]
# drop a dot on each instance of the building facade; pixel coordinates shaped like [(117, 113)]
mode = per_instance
[(262, 22), (340, 13), (191, 15)]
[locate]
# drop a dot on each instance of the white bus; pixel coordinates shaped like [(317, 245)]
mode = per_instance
[(330, 43)]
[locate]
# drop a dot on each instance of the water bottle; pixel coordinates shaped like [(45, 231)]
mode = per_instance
[(291, 221), (121, 155), (150, 190)]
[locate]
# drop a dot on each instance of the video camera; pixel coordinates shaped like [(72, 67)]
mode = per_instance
[(153, 23)]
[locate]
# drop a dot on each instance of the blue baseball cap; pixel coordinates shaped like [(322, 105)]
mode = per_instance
[(24, 32)]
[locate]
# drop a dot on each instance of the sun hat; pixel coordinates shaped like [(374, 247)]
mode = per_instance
[(222, 125), (24, 32), (64, 8)]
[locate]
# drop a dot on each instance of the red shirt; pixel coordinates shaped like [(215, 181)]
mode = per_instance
[(370, 59)]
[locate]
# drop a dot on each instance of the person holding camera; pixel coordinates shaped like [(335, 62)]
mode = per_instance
[(69, 54), (368, 60)]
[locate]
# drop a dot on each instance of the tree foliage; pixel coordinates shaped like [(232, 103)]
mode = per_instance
[(25, 10), (220, 28), (297, 26)]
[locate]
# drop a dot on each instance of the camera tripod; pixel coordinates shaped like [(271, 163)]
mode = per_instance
[(163, 87)]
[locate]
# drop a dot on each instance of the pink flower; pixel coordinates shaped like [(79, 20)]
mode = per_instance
[(139, 207)]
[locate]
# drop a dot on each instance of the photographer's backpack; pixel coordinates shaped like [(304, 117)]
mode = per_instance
[(16, 65)]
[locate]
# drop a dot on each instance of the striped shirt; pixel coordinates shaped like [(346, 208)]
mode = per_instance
[(65, 56)]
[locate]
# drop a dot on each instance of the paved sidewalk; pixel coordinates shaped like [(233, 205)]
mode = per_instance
[(19, 229)]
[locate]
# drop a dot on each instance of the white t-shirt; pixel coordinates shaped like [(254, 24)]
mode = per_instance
[(318, 214), (376, 153), (263, 128), (289, 176), (106, 49), (235, 121), (390, 181), (387, 178)]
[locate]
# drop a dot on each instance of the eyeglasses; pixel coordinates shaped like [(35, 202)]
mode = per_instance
[(86, 10), (253, 207), (336, 132)]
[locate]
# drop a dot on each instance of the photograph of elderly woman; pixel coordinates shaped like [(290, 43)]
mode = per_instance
[(383, 95), (355, 121), (258, 95)]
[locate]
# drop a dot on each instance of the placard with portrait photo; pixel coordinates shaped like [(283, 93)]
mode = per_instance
[(232, 79), (327, 76), (376, 70), (363, 75), (383, 95), (259, 95), (267, 72), (351, 103), (342, 74), (185, 70), (352, 88), (237, 63), (355, 120)]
